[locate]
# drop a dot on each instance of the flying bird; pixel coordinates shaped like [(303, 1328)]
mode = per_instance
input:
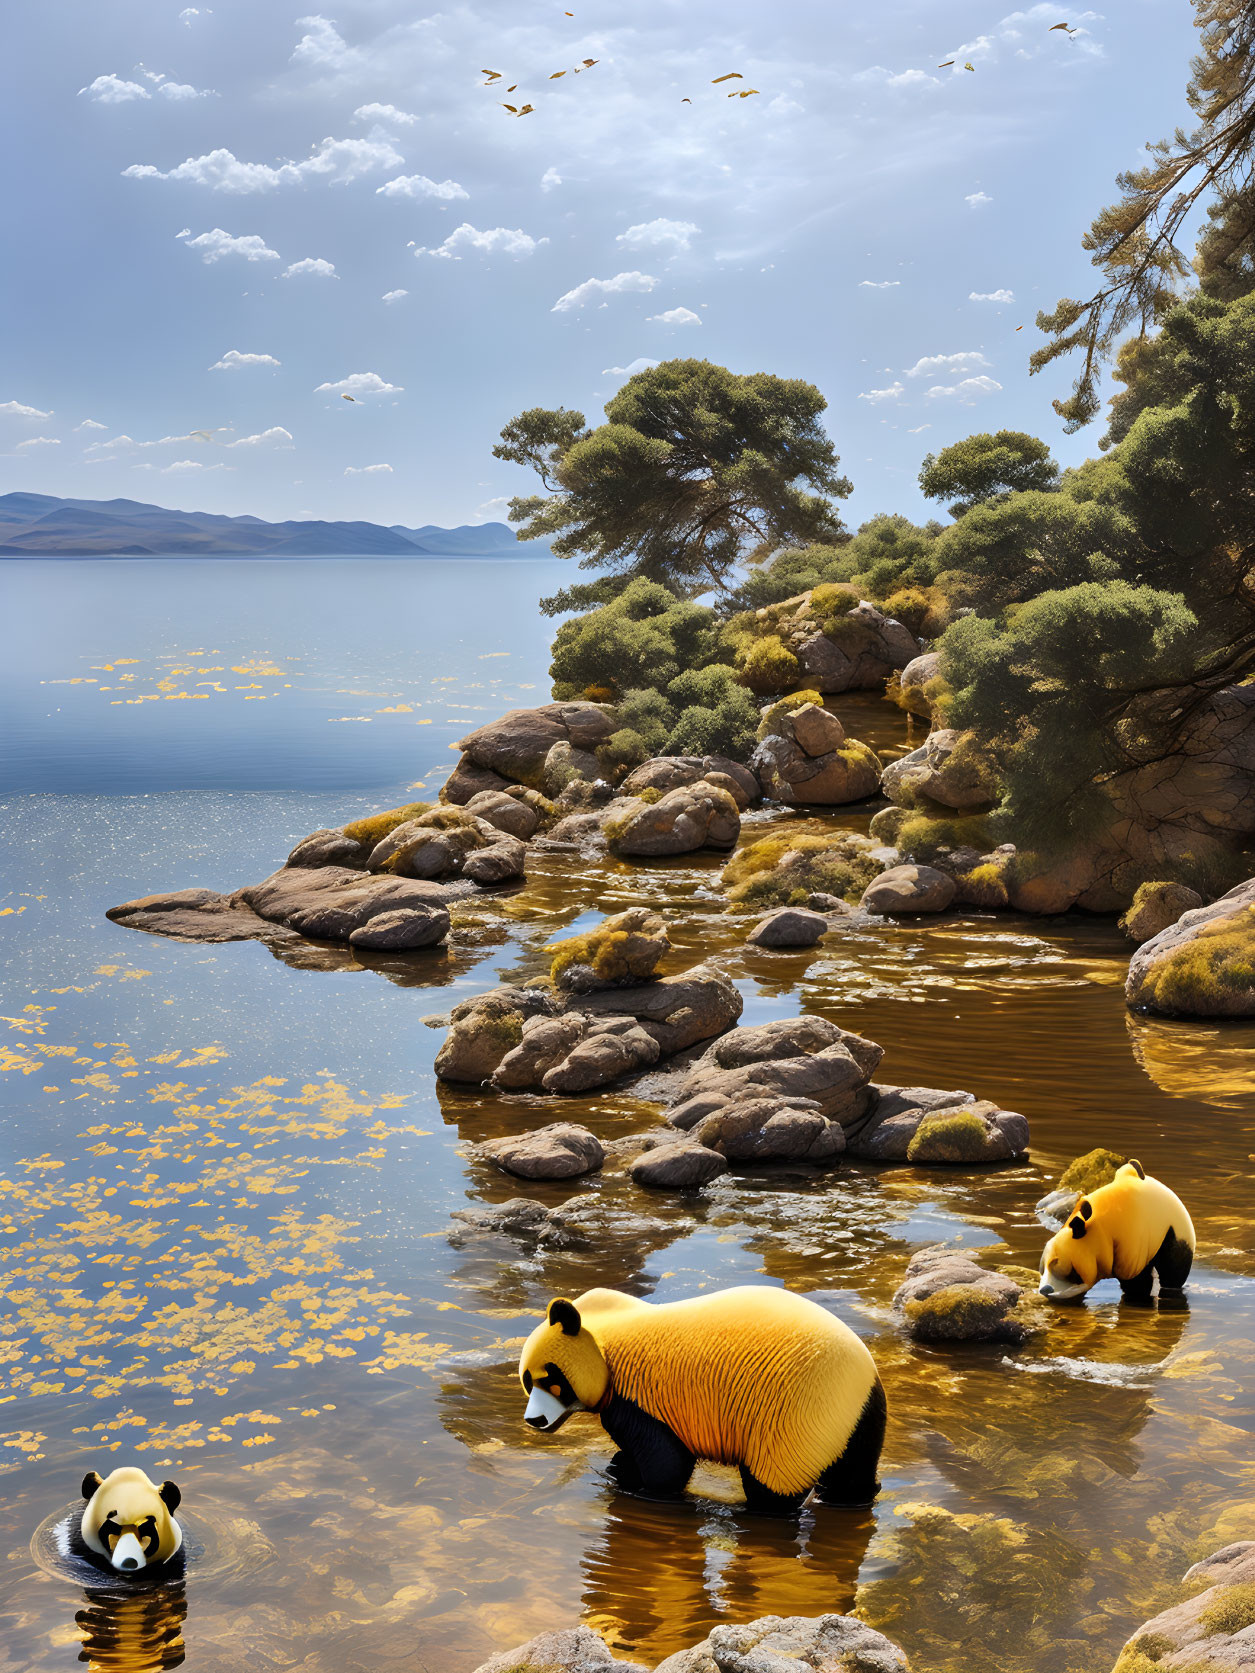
[(587, 64), (352, 398), (971, 67), (1066, 27), (556, 74), (749, 91), (686, 101), (1019, 328), (946, 65), (732, 75)]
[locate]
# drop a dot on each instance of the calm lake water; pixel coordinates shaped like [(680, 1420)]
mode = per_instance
[(227, 1181)]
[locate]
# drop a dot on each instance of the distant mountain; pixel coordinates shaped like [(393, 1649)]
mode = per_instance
[(40, 525)]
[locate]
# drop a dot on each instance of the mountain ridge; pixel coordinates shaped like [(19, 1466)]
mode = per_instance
[(46, 525)]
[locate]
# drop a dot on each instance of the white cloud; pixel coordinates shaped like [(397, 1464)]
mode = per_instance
[(675, 316), (336, 160), (602, 287), (322, 45), (919, 429), (214, 245), (233, 361), (366, 470), (384, 113), (360, 383), (180, 466), (275, 436), (419, 186), (907, 78), (40, 441), (641, 364), (878, 284), (321, 268), (112, 90), (15, 409), (493, 510), (893, 393), (1038, 19), (549, 179), (189, 12), (991, 296), (968, 389), (661, 234), (977, 200), (89, 424), (393, 295), (970, 360), (181, 90), (511, 241)]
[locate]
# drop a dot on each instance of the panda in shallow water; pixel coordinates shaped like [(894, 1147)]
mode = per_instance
[(129, 1521), (755, 1377), (1130, 1229)]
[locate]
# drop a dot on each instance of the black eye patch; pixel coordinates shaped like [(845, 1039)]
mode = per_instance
[(527, 1382)]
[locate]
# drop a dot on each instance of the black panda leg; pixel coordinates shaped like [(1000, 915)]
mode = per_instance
[(652, 1460), (1139, 1288), (1173, 1262), (851, 1479), (761, 1501)]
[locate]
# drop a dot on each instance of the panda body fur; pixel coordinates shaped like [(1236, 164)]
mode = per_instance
[(1129, 1229), (754, 1377), (129, 1520)]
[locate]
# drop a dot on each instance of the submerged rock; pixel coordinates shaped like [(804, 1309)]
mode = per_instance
[(677, 1167), (789, 926), (1201, 966), (947, 1297), (584, 1222), (1212, 1631), (559, 1151), (572, 1650), (791, 1644)]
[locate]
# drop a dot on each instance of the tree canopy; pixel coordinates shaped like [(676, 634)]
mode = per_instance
[(1136, 243), (985, 466), (696, 471)]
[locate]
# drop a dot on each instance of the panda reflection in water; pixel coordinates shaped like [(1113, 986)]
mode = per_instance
[(1130, 1229), (129, 1521), (755, 1377)]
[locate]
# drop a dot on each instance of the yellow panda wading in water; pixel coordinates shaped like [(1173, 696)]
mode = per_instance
[(1130, 1229), (129, 1520), (755, 1377)]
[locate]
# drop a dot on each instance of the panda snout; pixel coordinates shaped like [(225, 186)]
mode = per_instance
[(129, 1562), (537, 1422)]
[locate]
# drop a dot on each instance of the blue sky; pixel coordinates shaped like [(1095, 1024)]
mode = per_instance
[(222, 217)]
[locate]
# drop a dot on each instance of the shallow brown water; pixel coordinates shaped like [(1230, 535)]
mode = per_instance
[(223, 1255)]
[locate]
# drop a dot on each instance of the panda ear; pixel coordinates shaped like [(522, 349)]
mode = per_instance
[(1085, 1209), (566, 1314), (1138, 1168), (91, 1481), (171, 1497), (1077, 1226)]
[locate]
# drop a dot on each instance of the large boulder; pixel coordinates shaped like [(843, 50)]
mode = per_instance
[(485, 1029), (927, 1126), (559, 1151), (789, 1644), (329, 848), (700, 815), (678, 1011), (803, 755), (516, 747), (330, 903), (939, 771), (772, 1128), (449, 842), (1201, 966), (947, 1297), (1213, 1631), (860, 651), (677, 1167), (673, 772), (402, 930), (909, 889), (515, 814)]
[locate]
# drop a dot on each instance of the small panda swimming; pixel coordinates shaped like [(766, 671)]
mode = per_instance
[(755, 1377), (129, 1520), (1130, 1229)]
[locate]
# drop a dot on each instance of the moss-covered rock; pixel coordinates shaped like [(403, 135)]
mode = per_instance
[(1203, 965), (785, 869), (1157, 906), (376, 826), (1089, 1172), (950, 1136), (947, 1297), (622, 951)]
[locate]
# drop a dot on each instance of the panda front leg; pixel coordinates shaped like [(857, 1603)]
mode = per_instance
[(762, 1501), (652, 1460), (1140, 1287)]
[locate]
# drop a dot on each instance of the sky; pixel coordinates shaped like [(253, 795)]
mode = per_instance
[(222, 219)]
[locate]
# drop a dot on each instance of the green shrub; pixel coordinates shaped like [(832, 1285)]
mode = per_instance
[(830, 863), (767, 664), (1233, 1611), (622, 751), (643, 638), (923, 837), (649, 715)]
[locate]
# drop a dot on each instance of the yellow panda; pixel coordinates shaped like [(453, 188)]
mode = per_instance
[(129, 1520), (754, 1377), (1129, 1229)]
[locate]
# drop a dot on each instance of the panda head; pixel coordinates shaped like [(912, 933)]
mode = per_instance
[(562, 1369), (129, 1519), (1068, 1267)]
